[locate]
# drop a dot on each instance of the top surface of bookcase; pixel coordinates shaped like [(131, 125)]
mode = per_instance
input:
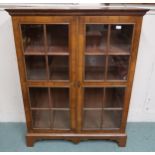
[(77, 9)]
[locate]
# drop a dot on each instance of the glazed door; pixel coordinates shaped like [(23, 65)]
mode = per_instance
[(47, 51), (104, 58)]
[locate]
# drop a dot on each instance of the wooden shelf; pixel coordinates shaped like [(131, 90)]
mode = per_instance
[(36, 74), (119, 50), (109, 53), (34, 53), (108, 109), (114, 50), (43, 54), (100, 75), (58, 50), (58, 54), (37, 50), (95, 51), (60, 109), (34, 49), (93, 34)]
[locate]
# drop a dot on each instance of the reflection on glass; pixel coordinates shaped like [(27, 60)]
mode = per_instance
[(57, 37), (94, 67), (118, 67), (33, 38), (120, 39), (96, 38), (35, 67)]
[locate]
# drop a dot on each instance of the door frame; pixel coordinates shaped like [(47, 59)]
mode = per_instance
[(137, 21), (25, 84)]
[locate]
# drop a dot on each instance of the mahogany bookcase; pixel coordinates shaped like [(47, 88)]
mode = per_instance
[(76, 70)]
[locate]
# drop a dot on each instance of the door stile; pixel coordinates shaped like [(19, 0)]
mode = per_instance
[(80, 72), (73, 73)]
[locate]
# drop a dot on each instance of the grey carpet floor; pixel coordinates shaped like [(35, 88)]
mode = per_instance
[(141, 137)]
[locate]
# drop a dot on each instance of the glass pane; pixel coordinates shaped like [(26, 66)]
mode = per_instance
[(61, 119), (96, 38), (59, 67), (118, 67), (60, 97), (120, 39), (92, 119), (35, 67), (41, 118), (94, 67), (112, 119), (39, 97), (114, 97), (57, 37), (33, 38), (93, 97)]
